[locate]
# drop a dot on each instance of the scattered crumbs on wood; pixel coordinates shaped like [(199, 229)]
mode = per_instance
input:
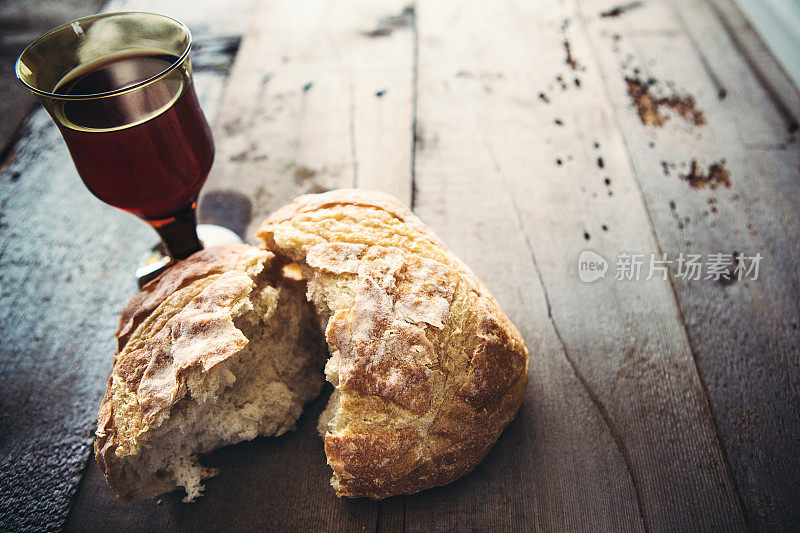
[(558, 122), (316, 188), (388, 24), (232, 127), (682, 222), (649, 106), (303, 173), (308, 86), (378, 32), (586, 235), (249, 153), (380, 93), (601, 163), (616, 11), (543, 97), (716, 175), (729, 275), (570, 60)]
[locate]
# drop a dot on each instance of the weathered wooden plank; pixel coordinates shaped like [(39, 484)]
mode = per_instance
[(744, 335), (22, 22), (615, 432), (275, 484), (320, 99), (782, 91), (300, 113), (66, 263)]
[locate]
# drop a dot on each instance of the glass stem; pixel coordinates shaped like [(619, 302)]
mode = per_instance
[(180, 235)]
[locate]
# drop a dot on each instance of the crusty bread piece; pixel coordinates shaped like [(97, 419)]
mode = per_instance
[(217, 350), (427, 368)]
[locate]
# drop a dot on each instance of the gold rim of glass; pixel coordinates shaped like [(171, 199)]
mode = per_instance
[(131, 88)]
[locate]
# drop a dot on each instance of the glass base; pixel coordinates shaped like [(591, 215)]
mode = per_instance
[(157, 261)]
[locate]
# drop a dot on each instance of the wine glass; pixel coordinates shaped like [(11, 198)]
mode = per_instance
[(119, 88)]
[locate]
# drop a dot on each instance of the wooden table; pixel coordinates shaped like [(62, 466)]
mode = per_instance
[(523, 133)]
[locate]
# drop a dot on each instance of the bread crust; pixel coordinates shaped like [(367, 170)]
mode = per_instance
[(181, 323), (428, 368)]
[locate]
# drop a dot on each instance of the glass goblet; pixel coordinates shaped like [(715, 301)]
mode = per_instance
[(119, 88)]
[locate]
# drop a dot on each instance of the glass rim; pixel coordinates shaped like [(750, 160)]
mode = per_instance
[(116, 92)]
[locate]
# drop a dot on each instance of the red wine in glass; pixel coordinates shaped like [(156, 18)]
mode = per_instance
[(148, 151), (119, 87)]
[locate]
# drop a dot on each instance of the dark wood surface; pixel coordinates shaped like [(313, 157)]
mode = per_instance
[(65, 273), (20, 23), (510, 129)]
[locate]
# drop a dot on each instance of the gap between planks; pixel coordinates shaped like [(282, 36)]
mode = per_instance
[(737, 333), (502, 134), (722, 92)]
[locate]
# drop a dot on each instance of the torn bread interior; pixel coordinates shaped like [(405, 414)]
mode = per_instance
[(219, 350)]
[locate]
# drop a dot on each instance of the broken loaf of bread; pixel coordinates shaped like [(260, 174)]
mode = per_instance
[(427, 369), (217, 350)]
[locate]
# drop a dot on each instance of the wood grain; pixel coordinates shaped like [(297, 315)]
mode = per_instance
[(300, 113), (57, 245), (22, 22), (744, 335), (652, 405), (271, 484), (515, 184), (320, 98)]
